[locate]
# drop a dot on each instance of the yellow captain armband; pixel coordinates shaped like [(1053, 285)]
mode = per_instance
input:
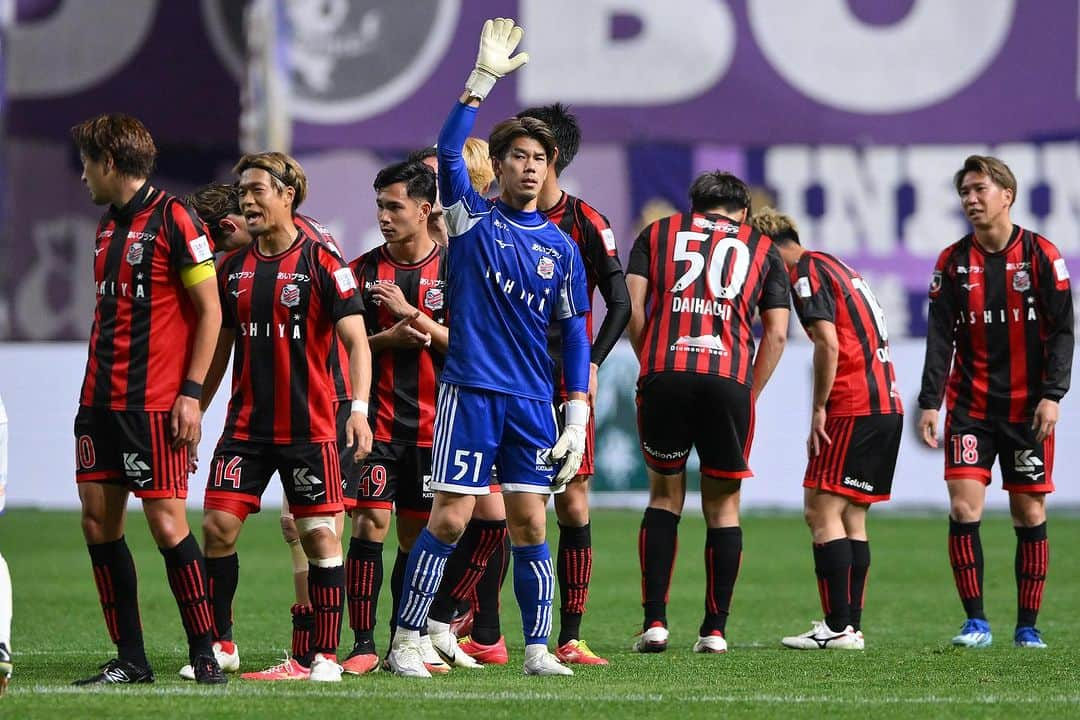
[(194, 274)]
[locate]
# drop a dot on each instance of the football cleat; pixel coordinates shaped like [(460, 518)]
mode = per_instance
[(119, 672), (462, 623), (576, 652), (653, 640), (975, 634), (287, 669), (860, 640), (360, 661), (208, 672), (445, 645), (1028, 637), (538, 661), (821, 637), (432, 660), (325, 668), (407, 660), (227, 655), (487, 654), (714, 643), (5, 668)]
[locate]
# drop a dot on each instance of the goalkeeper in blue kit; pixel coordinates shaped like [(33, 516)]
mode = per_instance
[(512, 274)]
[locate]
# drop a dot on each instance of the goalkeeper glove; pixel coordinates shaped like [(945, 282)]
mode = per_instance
[(570, 447), (498, 40)]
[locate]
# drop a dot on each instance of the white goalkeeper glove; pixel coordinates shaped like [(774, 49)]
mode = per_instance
[(498, 40), (570, 447)]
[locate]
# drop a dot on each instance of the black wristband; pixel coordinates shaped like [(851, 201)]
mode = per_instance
[(191, 389)]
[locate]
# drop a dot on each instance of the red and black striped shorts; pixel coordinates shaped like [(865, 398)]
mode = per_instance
[(131, 448), (860, 462)]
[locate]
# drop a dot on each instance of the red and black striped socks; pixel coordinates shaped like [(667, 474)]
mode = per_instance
[(658, 541), (723, 556), (363, 582), (326, 586), (832, 565), (186, 569), (574, 569), (1032, 559), (966, 557), (117, 586)]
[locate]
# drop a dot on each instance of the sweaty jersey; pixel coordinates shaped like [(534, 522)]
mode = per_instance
[(283, 309), (140, 341), (404, 380), (825, 288), (707, 275), (1004, 322), (511, 274)]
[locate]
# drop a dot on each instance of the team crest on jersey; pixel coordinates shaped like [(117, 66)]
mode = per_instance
[(433, 299), (135, 254), (935, 283), (545, 268), (1021, 281), (290, 295)]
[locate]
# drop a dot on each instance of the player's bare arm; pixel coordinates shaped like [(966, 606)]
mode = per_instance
[(186, 417), (774, 323), (826, 354), (353, 334), (638, 285)]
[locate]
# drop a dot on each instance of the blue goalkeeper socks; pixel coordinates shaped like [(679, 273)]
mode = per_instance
[(423, 573), (534, 587)]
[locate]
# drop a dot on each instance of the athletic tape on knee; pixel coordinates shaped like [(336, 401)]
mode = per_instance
[(330, 562), (299, 557), (308, 525)]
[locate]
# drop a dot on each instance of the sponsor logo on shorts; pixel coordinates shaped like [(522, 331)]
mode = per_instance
[(134, 469), (1026, 462), (659, 455), (856, 483), (543, 460), (307, 484)]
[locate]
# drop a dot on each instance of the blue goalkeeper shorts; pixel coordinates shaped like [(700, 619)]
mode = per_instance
[(475, 429)]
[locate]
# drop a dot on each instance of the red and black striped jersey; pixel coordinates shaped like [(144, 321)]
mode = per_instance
[(1004, 322), (707, 276), (338, 360), (144, 320), (592, 233), (283, 309), (403, 380), (825, 288)]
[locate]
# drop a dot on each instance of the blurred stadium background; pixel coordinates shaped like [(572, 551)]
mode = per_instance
[(851, 115)]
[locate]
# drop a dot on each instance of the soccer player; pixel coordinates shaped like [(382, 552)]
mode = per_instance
[(155, 322), (513, 274), (404, 284), (695, 280), (5, 576), (596, 242), (855, 424), (284, 297), (1001, 316), (218, 205)]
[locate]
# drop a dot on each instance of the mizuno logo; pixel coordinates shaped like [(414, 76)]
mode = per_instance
[(238, 293), (503, 245), (969, 286), (98, 251), (1027, 463)]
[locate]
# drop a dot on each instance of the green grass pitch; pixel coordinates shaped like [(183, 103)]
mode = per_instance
[(908, 669)]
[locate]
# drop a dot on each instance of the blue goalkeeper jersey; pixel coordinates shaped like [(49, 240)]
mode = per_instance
[(510, 274)]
